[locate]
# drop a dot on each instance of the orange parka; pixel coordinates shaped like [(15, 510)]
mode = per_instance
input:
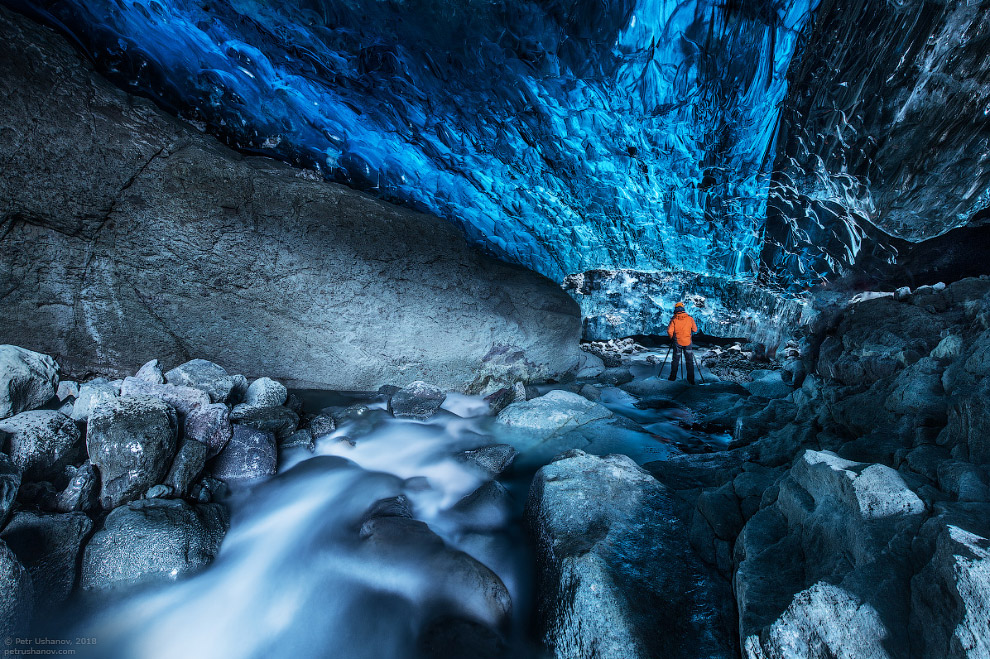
[(681, 327)]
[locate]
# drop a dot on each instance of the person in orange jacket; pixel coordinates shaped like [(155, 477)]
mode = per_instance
[(681, 327)]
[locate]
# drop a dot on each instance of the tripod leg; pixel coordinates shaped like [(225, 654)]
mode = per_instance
[(698, 364)]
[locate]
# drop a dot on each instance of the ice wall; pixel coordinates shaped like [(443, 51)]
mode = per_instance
[(562, 135)]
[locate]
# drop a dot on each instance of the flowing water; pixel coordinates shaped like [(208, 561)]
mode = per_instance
[(303, 572)]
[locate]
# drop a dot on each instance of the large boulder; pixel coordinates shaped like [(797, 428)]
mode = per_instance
[(418, 400), (831, 543), (204, 375), (49, 546), (210, 425), (27, 379), (616, 576), (16, 594), (131, 440), (41, 442), (152, 540), (250, 454), (192, 249), (91, 394)]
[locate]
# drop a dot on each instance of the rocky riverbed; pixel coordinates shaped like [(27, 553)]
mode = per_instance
[(842, 512)]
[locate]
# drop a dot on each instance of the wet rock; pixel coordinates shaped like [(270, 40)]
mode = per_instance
[(151, 372), (239, 391), (203, 375), (265, 392), (964, 481), (950, 607), (459, 582), (768, 384), (615, 376), (131, 440), (160, 491), (82, 492), (388, 390), (208, 489), (418, 400), (493, 460), (831, 543), (589, 366), (27, 380), (553, 413), (280, 421), (918, 390), (210, 425), (91, 394), (302, 438), (16, 595), (41, 442), (617, 578), (500, 399), (10, 481), (183, 399), (968, 426), (322, 425), (67, 389), (187, 465), (152, 540), (250, 454), (486, 508), (49, 547)]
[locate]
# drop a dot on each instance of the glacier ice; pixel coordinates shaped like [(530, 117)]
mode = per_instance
[(563, 136)]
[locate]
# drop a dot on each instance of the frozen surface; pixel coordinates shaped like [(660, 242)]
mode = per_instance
[(560, 135)]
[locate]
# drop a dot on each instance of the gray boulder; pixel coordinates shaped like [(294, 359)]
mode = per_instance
[(131, 440), (617, 578), (322, 425), (346, 291), (82, 492), (187, 465), (41, 442), (16, 595), (210, 425), (280, 421), (492, 460), (949, 596), (10, 481), (153, 540), (553, 413), (203, 375), (91, 394), (832, 546), (183, 399), (67, 389), (250, 454), (768, 384), (418, 400), (151, 372), (49, 546), (27, 379), (265, 392)]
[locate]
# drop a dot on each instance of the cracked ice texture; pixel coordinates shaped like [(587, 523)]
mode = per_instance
[(560, 135), (885, 134)]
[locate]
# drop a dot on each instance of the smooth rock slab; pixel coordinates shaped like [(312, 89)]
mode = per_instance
[(41, 442), (131, 440), (203, 375), (249, 454), (152, 540), (49, 546), (27, 380), (617, 579)]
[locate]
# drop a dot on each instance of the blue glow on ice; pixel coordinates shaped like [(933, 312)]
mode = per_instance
[(560, 135)]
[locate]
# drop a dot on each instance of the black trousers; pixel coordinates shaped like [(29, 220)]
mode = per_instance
[(688, 353)]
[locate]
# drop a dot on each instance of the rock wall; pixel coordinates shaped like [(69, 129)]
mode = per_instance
[(125, 235), (620, 303)]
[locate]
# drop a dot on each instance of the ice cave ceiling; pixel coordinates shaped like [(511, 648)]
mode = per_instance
[(728, 137)]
